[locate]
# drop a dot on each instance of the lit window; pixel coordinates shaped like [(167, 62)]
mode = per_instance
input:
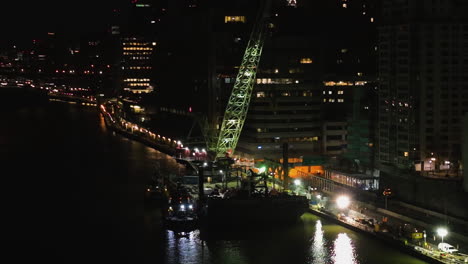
[(276, 71), (359, 74), (340, 92), (306, 60), (345, 5), (234, 19), (372, 20), (340, 100), (406, 153), (330, 92), (260, 94)]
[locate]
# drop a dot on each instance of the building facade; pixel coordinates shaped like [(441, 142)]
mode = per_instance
[(423, 60)]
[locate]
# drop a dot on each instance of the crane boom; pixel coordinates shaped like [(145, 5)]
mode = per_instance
[(239, 100)]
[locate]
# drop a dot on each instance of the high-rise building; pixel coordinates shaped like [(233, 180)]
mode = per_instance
[(137, 65), (306, 79), (423, 61), (135, 30)]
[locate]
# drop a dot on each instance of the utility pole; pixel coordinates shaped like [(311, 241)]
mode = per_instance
[(285, 165), (387, 192), (201, 190)]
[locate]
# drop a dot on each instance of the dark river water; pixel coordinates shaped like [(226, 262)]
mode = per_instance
[(72, 192)]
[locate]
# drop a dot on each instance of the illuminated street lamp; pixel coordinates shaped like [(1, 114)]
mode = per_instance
[(442, 232), (342, 201), (297, 183), (261, 170), (425, 235)]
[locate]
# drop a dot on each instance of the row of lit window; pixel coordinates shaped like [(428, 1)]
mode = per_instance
[(341, 83), (137, 48), (137, 53), (135, 43), (276, 81), (140, 58), (263, 94), (305, 61), (138, 84), (331, 92), (332, 100), (233, 19), (138, 43), (139, 91), (137, 80), (291, 70), (140, 67)]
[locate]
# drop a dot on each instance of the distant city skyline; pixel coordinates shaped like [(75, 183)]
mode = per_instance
[(21, 22)]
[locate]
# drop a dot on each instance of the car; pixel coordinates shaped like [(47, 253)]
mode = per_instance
[(445, 247)]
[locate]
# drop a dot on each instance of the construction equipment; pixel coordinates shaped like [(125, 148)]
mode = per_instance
[(239, 100)]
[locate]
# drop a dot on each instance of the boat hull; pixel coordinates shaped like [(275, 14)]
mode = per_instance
[(179, 224), (254, 211)]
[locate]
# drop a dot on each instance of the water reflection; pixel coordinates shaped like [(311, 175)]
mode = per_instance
[(318, 247), (184, 248), (343, 250)]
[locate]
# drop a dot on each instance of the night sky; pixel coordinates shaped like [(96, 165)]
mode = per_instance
[(24, 20)]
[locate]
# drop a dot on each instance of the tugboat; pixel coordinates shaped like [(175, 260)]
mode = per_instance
[(181, 213), (181, 221)]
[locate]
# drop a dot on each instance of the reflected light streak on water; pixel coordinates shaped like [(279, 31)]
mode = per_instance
[(184, 248), (343, 250), (318, 247)]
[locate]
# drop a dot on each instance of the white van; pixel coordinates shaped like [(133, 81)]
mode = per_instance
[(445, 247)]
